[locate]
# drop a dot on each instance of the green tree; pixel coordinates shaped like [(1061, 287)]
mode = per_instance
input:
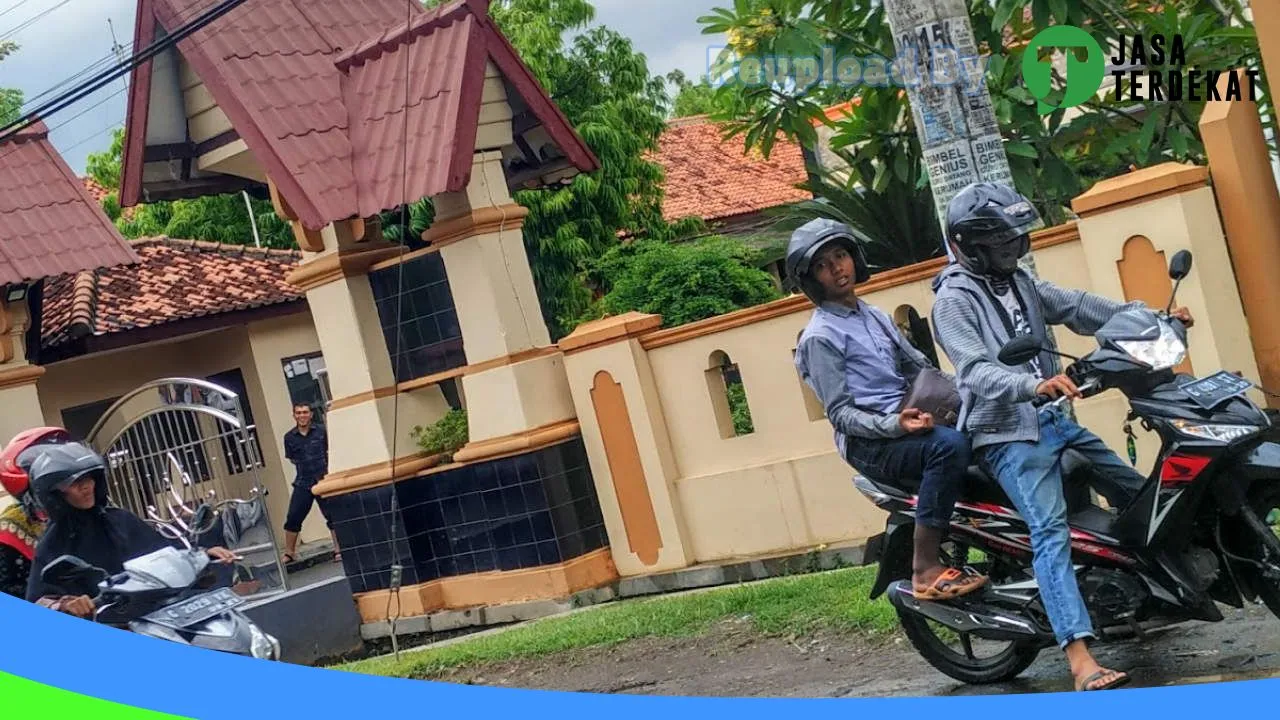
[(683, 281), (10, 98), (619, 108), (1052, 161), (691, 98)]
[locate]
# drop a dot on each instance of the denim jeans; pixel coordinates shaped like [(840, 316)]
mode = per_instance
[(938, 458), (1031, 475)]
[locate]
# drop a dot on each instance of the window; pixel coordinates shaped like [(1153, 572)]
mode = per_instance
[(418, 319), (239, 456), (305, 377), (728, 397)]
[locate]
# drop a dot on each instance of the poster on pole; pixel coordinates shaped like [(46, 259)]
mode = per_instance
[(946, 85)]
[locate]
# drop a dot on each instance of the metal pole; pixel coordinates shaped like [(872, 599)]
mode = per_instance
[(252, 222)]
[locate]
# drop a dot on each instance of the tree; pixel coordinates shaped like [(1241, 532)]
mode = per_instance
[(215, 218), (1052, 161), (683, 282), (619, 108), (690, 98), (10, 98)]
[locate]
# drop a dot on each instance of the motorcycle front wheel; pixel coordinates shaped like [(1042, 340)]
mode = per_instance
[(962, 656)]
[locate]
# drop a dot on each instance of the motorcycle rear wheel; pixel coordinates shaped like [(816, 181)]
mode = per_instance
[(1265, 504), (935, 642)]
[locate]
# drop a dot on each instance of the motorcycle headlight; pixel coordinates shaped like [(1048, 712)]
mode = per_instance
[(1160, 354), (1216, 433), (262, 645)]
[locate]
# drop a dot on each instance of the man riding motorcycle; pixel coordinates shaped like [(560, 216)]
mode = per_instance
[(984, 301), (21, 524), (69, 484)]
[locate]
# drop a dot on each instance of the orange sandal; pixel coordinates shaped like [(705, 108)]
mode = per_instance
[(951, 584)]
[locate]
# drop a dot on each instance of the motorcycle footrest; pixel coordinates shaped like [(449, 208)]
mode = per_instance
[(966, 615)]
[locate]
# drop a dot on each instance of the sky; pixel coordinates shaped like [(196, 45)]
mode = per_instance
[(64, 37)]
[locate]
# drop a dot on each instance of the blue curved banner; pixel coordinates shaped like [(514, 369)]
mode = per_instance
[(103, 663)]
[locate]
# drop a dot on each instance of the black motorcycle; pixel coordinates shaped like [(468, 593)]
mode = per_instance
[(1194, 536)]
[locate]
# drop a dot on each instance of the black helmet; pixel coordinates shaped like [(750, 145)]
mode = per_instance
[(61, 465), (808, 239), (990, 226)]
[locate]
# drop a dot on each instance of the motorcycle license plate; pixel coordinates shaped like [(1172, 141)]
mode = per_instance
[(196, 610), (1212, 391)]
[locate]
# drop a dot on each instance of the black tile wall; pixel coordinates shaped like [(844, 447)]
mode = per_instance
[(530, 510), (421, 329)]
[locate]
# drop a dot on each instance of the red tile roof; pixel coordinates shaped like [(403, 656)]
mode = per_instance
[(49, 224), (99, 192), (715, 179), (174, 280), (316, 90)]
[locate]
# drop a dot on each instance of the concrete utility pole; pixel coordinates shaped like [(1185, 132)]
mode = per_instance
[(946, 85)]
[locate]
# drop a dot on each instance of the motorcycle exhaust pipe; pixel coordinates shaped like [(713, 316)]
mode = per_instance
[(966, 616)]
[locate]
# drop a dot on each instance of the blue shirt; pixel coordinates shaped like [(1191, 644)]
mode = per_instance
[(309, 453), (860, 367)]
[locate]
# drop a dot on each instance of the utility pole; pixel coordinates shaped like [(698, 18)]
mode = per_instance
[(946, 85)]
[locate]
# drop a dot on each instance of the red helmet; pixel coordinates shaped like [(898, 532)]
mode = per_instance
[(15, 460)]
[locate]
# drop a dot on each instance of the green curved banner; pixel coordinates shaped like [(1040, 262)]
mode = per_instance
[(21, 699)]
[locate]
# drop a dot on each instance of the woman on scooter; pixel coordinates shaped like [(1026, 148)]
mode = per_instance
[(21, 524), (69, 483)]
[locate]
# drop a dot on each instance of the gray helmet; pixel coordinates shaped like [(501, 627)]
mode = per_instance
[(61, 465), (810, 238), (990, 225)]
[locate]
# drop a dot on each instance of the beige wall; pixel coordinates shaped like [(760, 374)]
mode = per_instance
[(256, 350), (783, 487)]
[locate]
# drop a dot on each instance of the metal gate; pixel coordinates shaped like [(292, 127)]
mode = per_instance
[(175, 443)]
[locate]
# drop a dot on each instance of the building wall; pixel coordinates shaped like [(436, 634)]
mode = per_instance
[(256, 350)]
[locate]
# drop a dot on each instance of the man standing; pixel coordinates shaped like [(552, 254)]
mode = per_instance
[(307, 447)]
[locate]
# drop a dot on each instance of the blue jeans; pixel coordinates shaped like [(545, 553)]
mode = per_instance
[(1031, 475), (938, 458)]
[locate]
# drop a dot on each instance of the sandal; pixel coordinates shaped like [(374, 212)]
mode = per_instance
[(288, 558), (1120, 679), (952, 583)]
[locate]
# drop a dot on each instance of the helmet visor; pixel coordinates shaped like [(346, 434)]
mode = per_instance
[(806, 260), (1022, 219)]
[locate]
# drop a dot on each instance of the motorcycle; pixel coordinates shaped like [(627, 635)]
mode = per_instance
[(1194, 536), (165, 594)]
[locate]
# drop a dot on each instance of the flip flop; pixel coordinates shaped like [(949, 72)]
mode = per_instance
[(288, 558), (1120, 680), (952, 583)]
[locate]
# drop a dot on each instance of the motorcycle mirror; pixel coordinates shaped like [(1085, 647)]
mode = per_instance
[(68, 571), (1179, 268), (1020, 351), (203, 520), (1180, 265)]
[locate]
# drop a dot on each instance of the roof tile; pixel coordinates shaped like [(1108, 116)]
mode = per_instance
[(714, 179), (49, 223), (174, 280)]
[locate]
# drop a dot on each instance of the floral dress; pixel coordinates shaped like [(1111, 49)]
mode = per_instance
[(18, 536)]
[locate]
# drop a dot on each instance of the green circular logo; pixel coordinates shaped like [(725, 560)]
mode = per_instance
[(1083, 77)]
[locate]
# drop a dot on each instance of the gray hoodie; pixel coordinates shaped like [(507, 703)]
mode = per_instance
[(971, 328)]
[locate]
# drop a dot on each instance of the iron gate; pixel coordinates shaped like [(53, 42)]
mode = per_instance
[(174, 443)]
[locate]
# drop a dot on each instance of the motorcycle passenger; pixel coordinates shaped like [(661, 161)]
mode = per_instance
[(69, 483), (983, 301), (21, 524), (861, 367)]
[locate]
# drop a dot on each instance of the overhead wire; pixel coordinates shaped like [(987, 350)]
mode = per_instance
[(7, 35)]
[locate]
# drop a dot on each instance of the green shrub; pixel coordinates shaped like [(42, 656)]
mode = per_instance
[(446, 436)]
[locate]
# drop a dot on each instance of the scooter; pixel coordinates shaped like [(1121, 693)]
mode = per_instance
[(1194, 536), (165, 595)]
